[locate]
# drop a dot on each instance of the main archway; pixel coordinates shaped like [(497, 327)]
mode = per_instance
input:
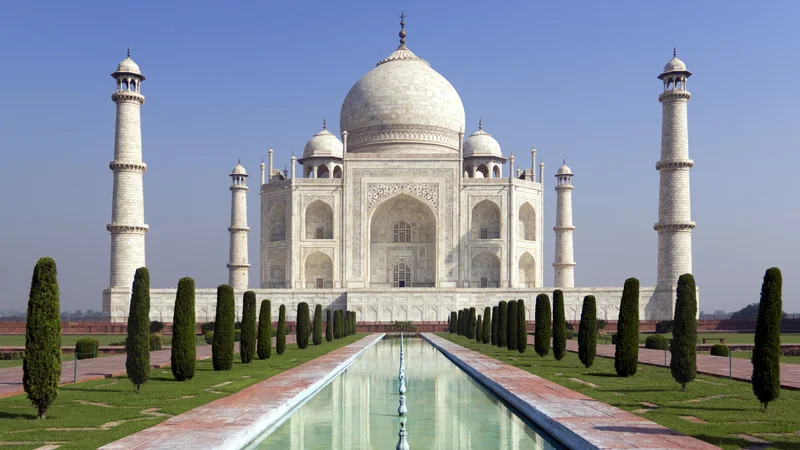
[(402, 243)]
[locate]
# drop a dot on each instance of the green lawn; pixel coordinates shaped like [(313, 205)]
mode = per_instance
[(728, 407), (67, 357), (91, 414), (730, 338), (69, 340)]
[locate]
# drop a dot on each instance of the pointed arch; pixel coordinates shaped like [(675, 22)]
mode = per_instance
[(485, 221), (319, 220), (527, 270), (527, 222), (318, 271), (276, 223), (485, 270)]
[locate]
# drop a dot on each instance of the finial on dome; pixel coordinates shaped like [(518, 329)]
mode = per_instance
[(402, 29), (129, 52), (238, 160), (480, 123), (674, 52), (324, 124), (564, 161)]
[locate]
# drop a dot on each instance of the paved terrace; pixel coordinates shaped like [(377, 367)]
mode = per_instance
[(576, 420), (234, 421), (99, 368), (742, 369)]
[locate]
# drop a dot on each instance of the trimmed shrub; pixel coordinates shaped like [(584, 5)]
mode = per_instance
[(249, 333), (156, 327), (41, 364), (486, 334), (767, 351), (137, 344), (626, 354), (495, 321), (656, 342), (601, 325), (86, 348), (522, 323), (317, 336), (541, 336), (209, 337), (265, 330), (460, 323), (184, 345), (337, 324), (237, 335), (559, 326), (665, 326), (479, 329), (328, 325), (303, 325), (473, 321), (155, 342), (511, 328), (587, 332), (720, 350), (683, 364), (224, 334), (502, 323), (206, 327), (280, 336), (570, 334), (453, 321)]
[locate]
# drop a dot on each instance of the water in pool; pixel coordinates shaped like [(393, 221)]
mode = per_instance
[(447, 409)]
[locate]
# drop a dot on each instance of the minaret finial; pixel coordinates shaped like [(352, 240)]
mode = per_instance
[(564, 161), (238, 160), (402, 29), (129, 52), (480, 123), (674, 52), (324, 123)]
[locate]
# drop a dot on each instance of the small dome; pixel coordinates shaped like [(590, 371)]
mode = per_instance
[(481, 143), (323, 144), (128, 66), (675, 65), (239, 170), (564, 170)]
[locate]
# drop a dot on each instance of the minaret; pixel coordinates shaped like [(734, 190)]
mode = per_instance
[(127, 225), (238, 266), (564, 265), (675, 224)]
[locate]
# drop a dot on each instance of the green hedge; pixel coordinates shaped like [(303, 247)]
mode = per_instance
[(495, 322), (86, 348), (486, 333), (303, 325), (587, 332), (511, 327), (224, 334), (473, 321), (683, 364), (249, 333), (522, 332), (317, 335), (337, 324), (626, 354), (767, 350), (265, 330), (137, 344), (655, 342), (453, 321), (720, 350), (183, 352), (559, 326), (209, 337), (280, 338), (542, 333), (502, 323), (328, 325)]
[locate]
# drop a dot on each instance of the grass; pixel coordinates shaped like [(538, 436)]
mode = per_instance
[(729, 407), (69, 340), (94, 413), (67, 357)]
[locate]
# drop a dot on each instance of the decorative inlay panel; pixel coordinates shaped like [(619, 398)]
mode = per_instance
[(429, 192), (305, 251), (476, 249), (309, 199), (475, 199)]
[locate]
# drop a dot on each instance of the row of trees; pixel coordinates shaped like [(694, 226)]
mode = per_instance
[(503, 325)]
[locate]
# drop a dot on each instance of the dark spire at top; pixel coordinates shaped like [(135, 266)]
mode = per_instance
[(402, 29), (324, 124), (129, 52), (564, 161), (238, 160), (480, 123), (674, 52)]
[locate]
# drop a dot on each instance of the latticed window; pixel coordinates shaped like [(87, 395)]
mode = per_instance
[(484, 282), (402, 232), (320, 283), (320, 233), (484, 233), (401, 276)]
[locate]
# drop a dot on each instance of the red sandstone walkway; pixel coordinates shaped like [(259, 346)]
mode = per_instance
[(573, 418), (742, 369), (97, 368), (234, 421)]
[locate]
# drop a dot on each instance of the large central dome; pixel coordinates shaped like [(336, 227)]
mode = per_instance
[(402, 104)]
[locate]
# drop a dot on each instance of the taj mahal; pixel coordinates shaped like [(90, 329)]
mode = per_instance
[(405, 214)]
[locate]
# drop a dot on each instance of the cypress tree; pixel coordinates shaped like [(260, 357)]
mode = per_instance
[(354, 322), (479, 329), (280, 337), (541, 336), (317, 325), (683, 364), (522, 328), (453, 318), (41, 364), (511, 328), (222, 345), (337, 324), (486, 335), (328, 325), (587, 331), (473, 321), (137, 345), (626, 355), (265, 330), (559, 326), (502, 323), (459, 328), (345, 323), (184, 347), (767, 350), (303, 325), (494, 325), (247, 343)]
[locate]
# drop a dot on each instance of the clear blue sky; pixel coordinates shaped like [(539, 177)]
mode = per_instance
[(225, 82)]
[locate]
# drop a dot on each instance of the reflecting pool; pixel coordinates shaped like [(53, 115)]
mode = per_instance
[(447, 409)]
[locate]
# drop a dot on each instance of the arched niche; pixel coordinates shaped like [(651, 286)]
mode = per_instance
[(276, 223), (527, 222), (485, 222), (319, 220), (485, 270), (318, 271), (527, 270)]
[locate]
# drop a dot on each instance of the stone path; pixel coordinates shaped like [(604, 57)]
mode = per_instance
[(707, 364), (234, 421), (574, 419), (97, 368)]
